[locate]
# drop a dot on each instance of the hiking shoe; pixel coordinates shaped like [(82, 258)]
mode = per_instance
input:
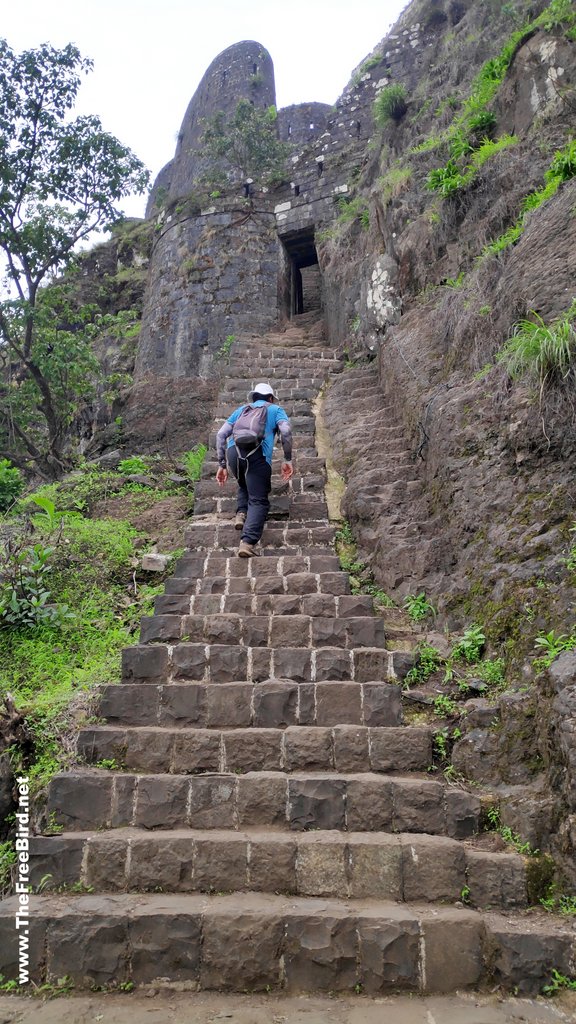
[(247, 550), (239, 520)]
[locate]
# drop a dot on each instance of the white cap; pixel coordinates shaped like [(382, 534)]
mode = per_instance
[(262, 389)]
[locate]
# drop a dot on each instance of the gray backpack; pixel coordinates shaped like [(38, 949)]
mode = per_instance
[(249, 429)]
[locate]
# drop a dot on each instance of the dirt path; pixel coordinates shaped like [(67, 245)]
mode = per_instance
[(213, 1008)]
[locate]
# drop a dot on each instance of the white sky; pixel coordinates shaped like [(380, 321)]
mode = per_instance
[(149, 55)]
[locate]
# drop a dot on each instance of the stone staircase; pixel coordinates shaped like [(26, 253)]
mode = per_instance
[(273, 824)]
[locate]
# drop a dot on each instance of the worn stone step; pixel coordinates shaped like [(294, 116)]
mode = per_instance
[(228, 663), (184, 751), (93, 798), (282, 507), (272, 702), (299, 484), (304, 583), (198, 564), (222, 535), (302, 464), (324, 605), (265, 630), (260, 942), (354, 865)]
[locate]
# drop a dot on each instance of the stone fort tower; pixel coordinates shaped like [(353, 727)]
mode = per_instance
[(240, 261)]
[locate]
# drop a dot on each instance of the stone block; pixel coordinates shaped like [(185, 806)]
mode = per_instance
[(95, 744), (160, 628), (333, 663), (228, 705), (106, 863), (144, 664), (325, 563), (389, 951), (255, 630), (91, 948), (269, 585), (321, 866), (262, 799), (196, 750), (290, 631), (319, 604), (433, 868), (308, 749), (220, 865), (316, 803), (452, 944), (57, 856), (329, 632), (400, 749), (241, 950), (496, 879), (238, 585), (307, 704), (382, 704), (249, 750), (182, 703), (524, 959), (293, 663), (321, 953), (189, 661), (261, 659), (272, 866), (301, 583), (223, 629), (134, 704), (148, 750), (123, 798), (418, 806), (371, 664), (212, 801), (9, 951), (228, 663), (80, 802), (336, 583), (165, 944), (275, 703), (369, 805), (161, 862), (279, 604), (338, 703), (375, 866), (172, 604), (161, 801), (355, 604), (462, 813), (351, 748)]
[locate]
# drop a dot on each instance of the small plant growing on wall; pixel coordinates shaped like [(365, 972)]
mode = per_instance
[(390, 105)]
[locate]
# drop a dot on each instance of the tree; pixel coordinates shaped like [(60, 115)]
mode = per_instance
[(247, 142), (60, 180)]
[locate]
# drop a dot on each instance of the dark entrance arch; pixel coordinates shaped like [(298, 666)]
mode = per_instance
[(303, 289)]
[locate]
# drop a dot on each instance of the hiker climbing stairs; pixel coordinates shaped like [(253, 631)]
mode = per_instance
[(273, 824)]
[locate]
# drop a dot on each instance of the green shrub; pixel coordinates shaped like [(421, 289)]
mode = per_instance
[(418, 607), (390, 105), (563, 164), (194, 460), (11, 484), (446, 180), (133, 464), (546, 352)]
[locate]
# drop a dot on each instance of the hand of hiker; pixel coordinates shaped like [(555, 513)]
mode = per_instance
[(287, 471), (221, 475)]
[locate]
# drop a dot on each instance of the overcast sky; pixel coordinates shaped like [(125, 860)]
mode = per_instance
[(150, 55)]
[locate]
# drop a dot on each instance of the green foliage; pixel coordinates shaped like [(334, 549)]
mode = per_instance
[(563, 165), (440, 743), (390, 104), (558, 982), (470, 645), (60, 180), (550, 645), (508, 835), (24, 593), (545, 352), (490, 671), (7, 861), (418, 607), (444, 706), (132, 465), (246, 143), (394, 182), (445, 180), (194, 460), (429, 660), (556, 902), (353, 209), (11, 484), (224, 350)]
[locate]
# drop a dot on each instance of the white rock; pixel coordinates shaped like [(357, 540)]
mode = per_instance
[(153, 562)]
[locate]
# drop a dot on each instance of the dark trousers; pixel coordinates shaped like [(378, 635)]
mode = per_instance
[(254, 477)]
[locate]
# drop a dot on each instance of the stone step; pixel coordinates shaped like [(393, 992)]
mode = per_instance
[(222, 535), (355, 865), (93, 798), (216, 563), (228, 663), (261, 942), (281, 507), (299, 484), (305, 583), (274, 631), (295, 748), (260, 705), (324, 605)]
